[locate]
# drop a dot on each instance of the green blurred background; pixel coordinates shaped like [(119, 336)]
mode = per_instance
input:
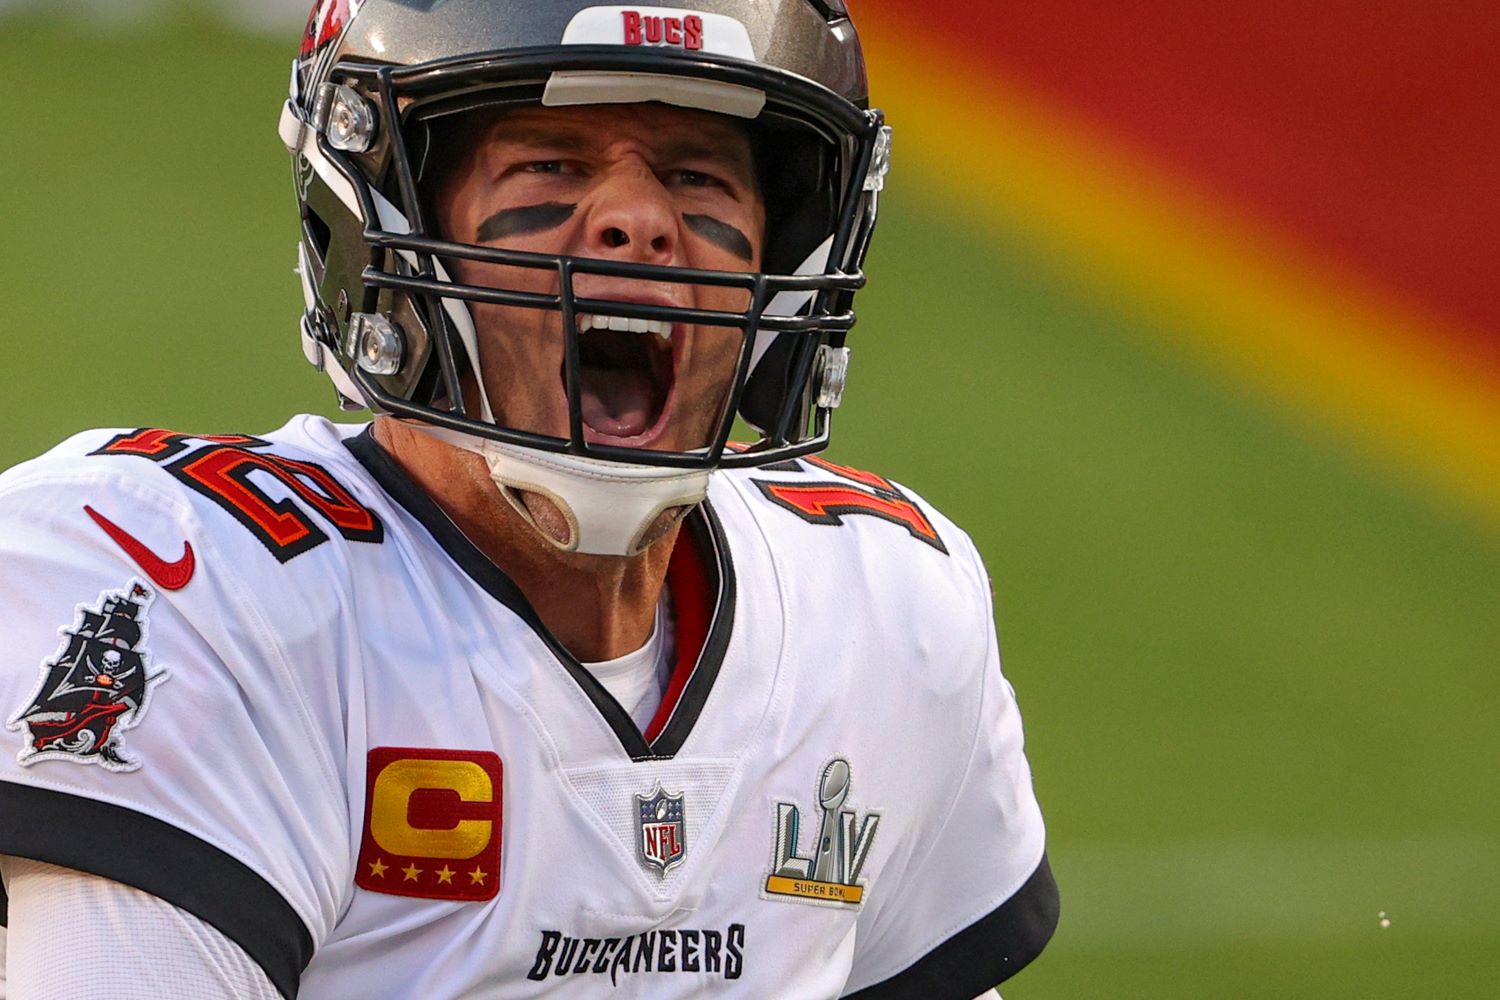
[(1259, 674)]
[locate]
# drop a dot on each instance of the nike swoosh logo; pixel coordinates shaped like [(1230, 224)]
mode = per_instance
[(166, 575)]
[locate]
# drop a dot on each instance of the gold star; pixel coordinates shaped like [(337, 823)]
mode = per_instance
[(445, 874), (478, 875), (412, 871), (377, 868)]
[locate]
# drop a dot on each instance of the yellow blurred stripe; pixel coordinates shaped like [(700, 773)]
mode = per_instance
[(1253, 304)]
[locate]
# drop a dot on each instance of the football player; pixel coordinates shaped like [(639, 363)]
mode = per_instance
[(536, 685)]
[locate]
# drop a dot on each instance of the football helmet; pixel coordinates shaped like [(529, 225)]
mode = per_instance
[(386, 318)]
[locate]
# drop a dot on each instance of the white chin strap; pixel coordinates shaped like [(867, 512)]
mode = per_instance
[(609, 507)]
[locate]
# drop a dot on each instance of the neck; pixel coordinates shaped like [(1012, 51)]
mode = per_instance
[(598, 607)]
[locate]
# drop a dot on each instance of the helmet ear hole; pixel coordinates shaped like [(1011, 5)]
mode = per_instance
[(319, 235)]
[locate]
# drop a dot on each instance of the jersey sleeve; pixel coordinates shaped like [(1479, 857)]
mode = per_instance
[(175, 955), (978, 902), (155, 731)]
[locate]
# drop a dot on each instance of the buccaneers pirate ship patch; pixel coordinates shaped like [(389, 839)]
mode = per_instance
[(95, 688)]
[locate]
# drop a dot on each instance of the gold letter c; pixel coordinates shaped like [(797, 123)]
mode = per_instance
[(392, 796)]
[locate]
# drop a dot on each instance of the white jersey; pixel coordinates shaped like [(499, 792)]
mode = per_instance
[(268, 681)]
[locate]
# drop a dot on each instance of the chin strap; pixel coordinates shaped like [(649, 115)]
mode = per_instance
[(609, 507)]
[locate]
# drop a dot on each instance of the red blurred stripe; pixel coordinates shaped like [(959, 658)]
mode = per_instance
[(1364, 131)]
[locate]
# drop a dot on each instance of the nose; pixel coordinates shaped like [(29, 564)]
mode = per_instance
[(632, 217)]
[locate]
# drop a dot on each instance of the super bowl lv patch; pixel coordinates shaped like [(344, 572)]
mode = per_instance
[(96, 687), (831, 873)]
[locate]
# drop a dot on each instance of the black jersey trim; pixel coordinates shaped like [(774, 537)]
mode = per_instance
[(708, 534), (169, 863), (984, 954), (707, 531)]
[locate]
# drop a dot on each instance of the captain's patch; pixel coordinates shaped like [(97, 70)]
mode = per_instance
[(432, 824), (95, 688)]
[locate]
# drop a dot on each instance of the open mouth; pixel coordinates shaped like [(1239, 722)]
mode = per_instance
[(626, 378)]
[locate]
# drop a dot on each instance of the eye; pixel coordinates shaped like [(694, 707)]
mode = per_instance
[(543, 167), (694, 178)]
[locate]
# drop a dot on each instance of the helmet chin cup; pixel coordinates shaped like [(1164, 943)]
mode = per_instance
[(609, 508)]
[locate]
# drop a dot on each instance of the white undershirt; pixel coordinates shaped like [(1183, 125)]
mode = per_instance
[(637, 680)]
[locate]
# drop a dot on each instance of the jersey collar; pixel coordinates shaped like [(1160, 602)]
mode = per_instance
[(700, 578)]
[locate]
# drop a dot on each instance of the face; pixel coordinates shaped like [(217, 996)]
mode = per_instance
[(644, 183)]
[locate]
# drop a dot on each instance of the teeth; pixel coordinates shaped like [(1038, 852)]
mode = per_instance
[(594, 321)]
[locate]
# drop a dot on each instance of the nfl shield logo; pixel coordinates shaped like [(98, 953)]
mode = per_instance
[(663, 839)]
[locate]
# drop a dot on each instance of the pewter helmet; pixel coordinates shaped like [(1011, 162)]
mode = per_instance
[(384, 316)]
